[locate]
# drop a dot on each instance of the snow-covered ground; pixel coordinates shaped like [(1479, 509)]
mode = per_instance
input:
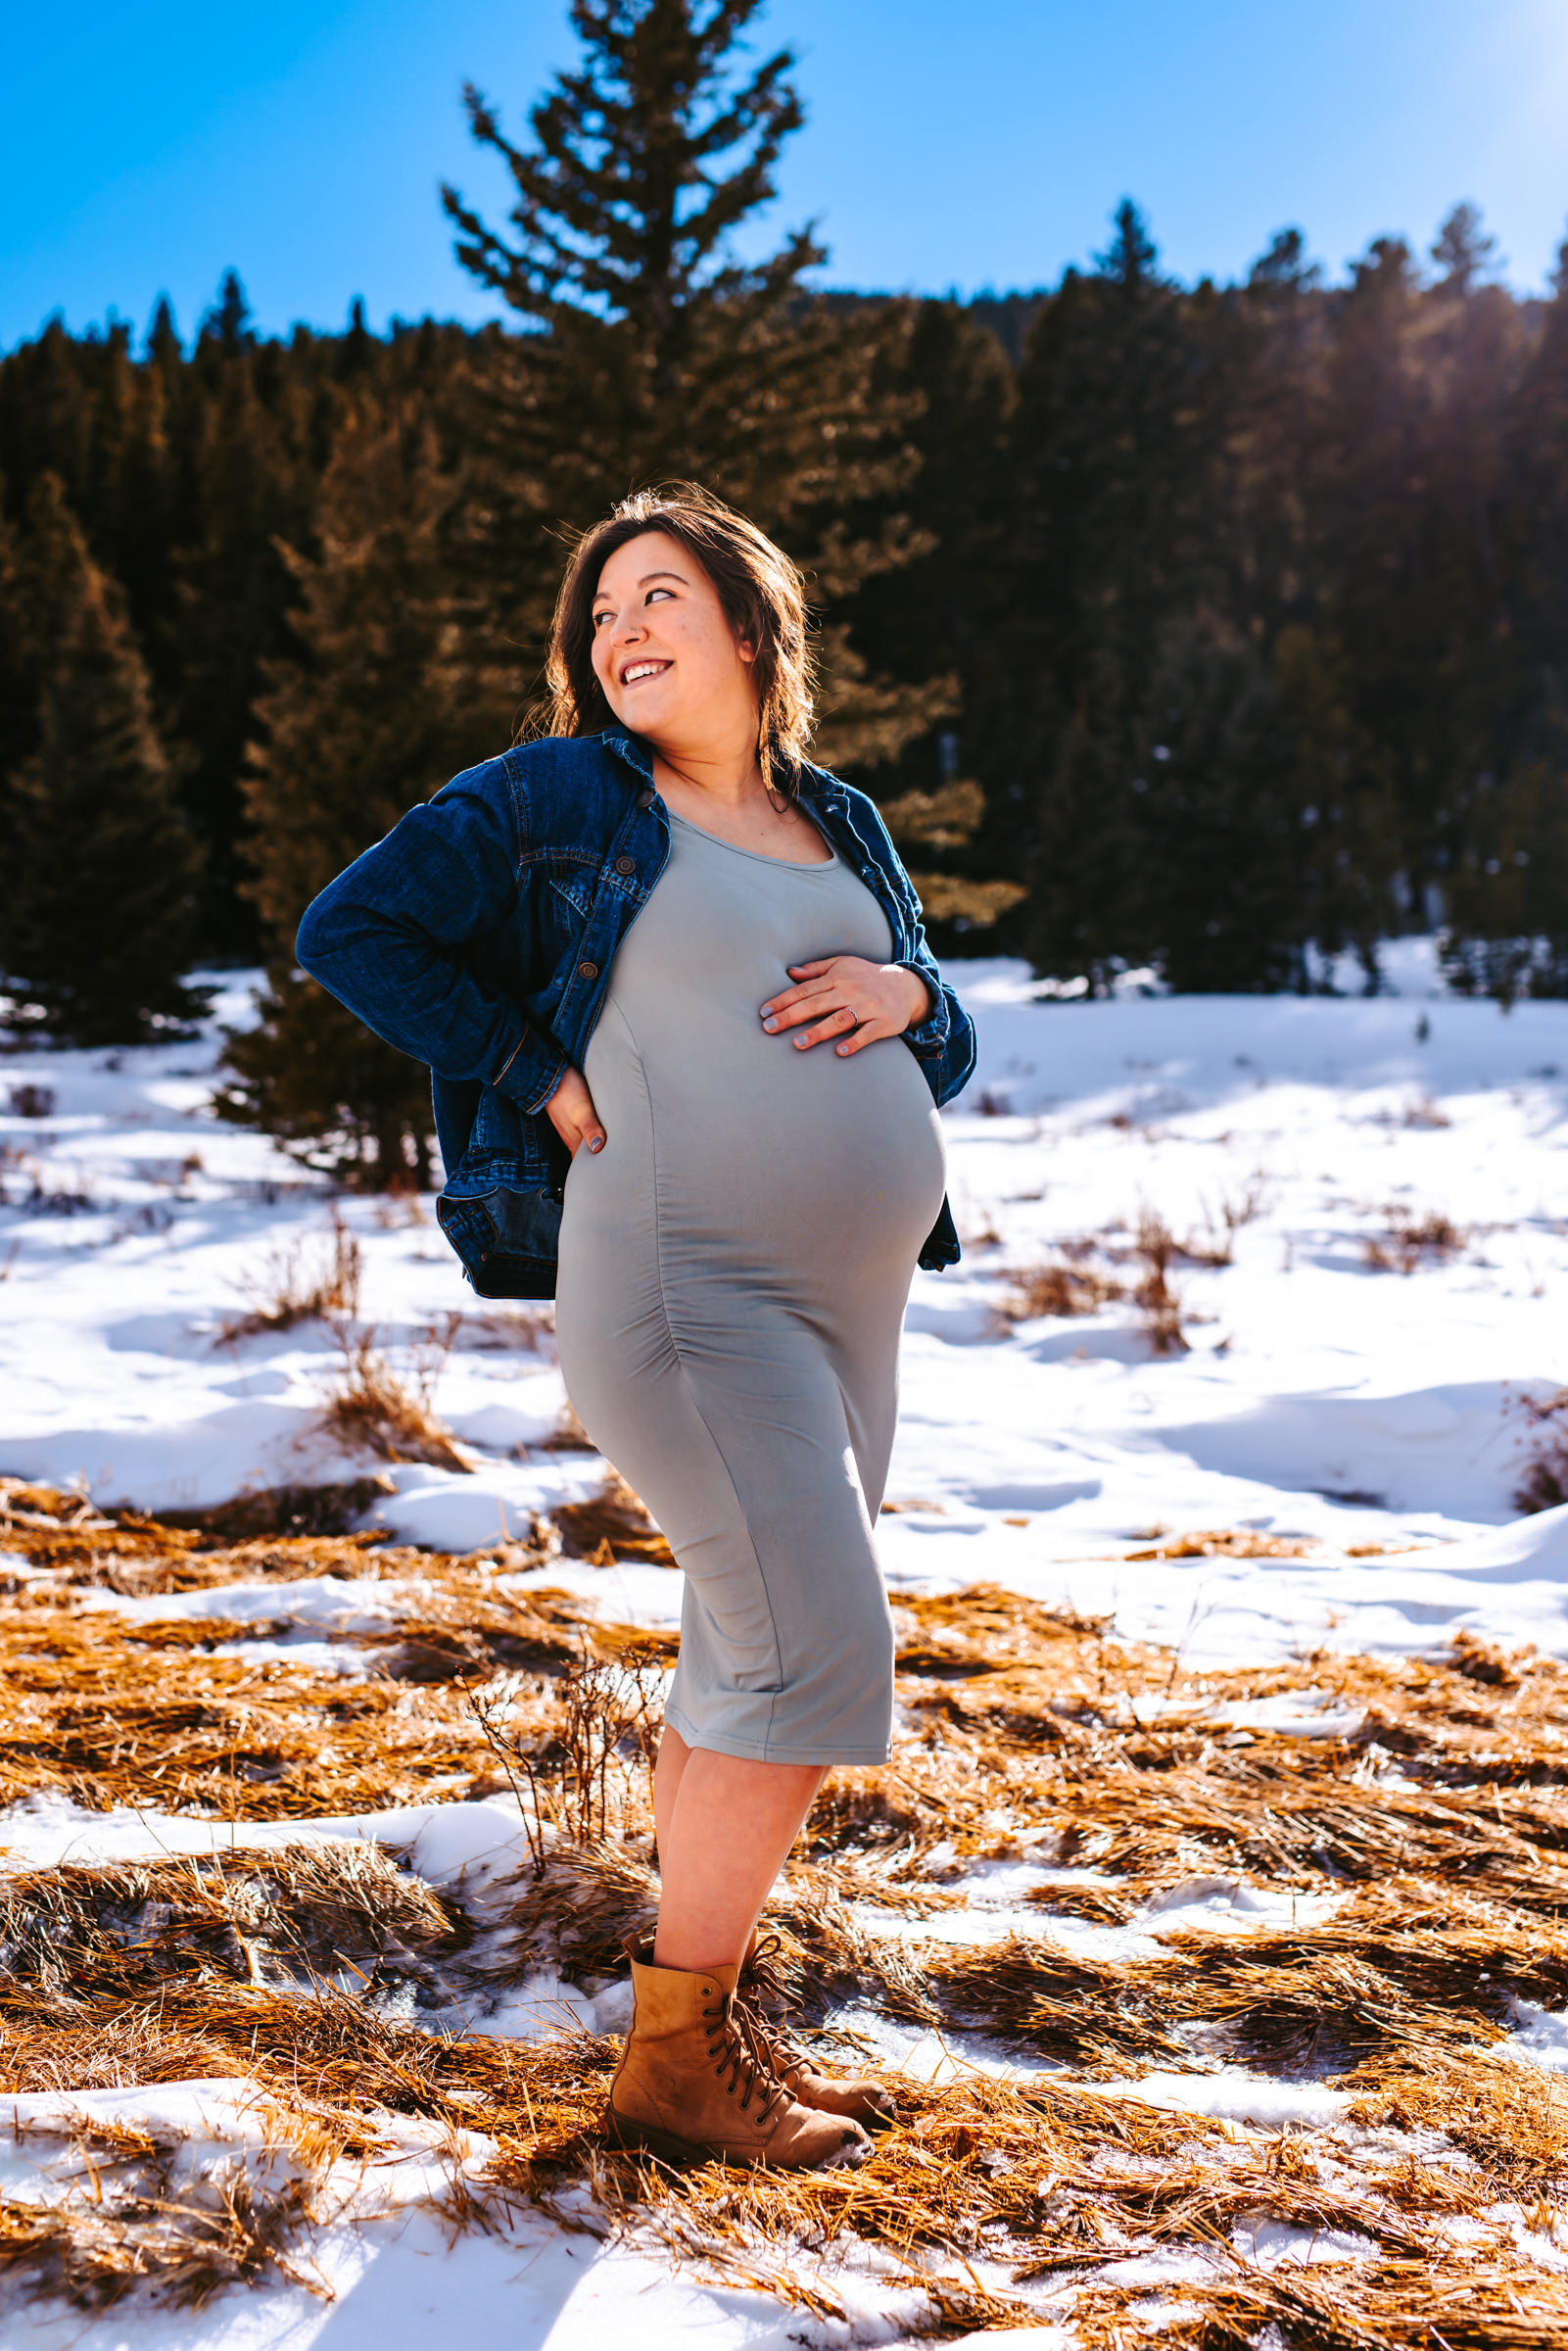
[(1321, 1400), (1355, 1414)]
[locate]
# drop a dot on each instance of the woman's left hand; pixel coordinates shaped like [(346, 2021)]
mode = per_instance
[(849, 1000)]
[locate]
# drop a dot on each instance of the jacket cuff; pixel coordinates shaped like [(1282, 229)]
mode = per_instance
[(929, 1034), (536, 1068)]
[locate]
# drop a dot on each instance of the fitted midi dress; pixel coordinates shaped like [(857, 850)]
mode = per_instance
[(734, 1268)]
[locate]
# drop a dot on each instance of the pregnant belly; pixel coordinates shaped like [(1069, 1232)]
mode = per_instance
[(769, 1158)]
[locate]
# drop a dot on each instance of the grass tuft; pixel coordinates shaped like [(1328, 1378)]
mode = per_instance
[(1543, 1481), (1410, 1242), (302, 1281), (370, 1407)]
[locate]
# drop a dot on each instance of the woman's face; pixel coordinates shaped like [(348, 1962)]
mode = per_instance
[(663, 651)]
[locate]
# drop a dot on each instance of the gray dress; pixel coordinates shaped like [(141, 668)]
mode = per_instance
[(734, 1268)]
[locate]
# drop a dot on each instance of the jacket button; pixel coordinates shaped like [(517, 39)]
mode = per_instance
[(626, 865), (645, 799), (588, 971)]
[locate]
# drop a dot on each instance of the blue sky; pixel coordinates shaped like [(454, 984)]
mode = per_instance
[(951, 143)]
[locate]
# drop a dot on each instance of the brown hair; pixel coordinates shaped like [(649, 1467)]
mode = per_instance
[(760, 592)]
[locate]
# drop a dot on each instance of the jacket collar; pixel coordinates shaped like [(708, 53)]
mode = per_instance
[(632, 748), (816, 782)]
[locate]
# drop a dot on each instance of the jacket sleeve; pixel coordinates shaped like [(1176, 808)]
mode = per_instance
[(385, 938), (943, 1043)]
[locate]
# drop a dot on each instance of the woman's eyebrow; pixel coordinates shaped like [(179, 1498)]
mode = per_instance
[(646, 581)]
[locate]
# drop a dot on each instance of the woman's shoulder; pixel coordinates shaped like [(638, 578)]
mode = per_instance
[(552, 776), (543, 752), (543, 756), (822, 784)]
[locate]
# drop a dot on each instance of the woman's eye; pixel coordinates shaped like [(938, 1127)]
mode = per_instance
[(599, 618), (657, 592)]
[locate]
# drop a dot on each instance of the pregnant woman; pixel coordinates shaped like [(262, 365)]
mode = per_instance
[(723, 1004)]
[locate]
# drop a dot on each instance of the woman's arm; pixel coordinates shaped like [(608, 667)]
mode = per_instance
[(385, 938)]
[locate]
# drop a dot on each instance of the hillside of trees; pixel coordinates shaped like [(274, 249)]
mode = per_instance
[(1212, 628)]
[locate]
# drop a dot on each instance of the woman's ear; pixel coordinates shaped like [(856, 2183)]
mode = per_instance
[(745, 648)]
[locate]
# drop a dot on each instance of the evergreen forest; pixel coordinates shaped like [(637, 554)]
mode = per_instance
[(1207, 630)]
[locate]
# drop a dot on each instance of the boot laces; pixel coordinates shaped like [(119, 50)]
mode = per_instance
[(742, 2048), (765, 1975)]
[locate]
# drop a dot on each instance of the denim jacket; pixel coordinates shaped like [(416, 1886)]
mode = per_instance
[(479, 936)]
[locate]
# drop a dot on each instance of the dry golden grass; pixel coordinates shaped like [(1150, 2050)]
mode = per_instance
[(1227, 1543), (1069, 1286), (369, 1407), (302, 1281), (1073, 1282), (1410, 1242), (1543, 1481), (1437, 1818)]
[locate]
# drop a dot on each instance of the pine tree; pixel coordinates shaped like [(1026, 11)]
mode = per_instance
[(1507, 897), (17, 718), (1125, 409), (657, 356), (378, 708), (1506, 886), (98, 918), (252, 485), (954, 799)]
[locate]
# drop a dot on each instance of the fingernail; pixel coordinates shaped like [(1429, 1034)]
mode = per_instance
[(770, 1024), (841, 1049), (595, 1142)]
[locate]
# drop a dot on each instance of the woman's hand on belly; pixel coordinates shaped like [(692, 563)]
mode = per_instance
[(573, 1116), (845, 997)]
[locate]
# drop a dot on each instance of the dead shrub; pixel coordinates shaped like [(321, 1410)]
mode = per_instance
[(1157, 1248), (1543, 1481), (1409, 1241), (603, 1728), (1071, 1284), (530, 1330), (301, 1282), (1215, 1243), (369, 1403), (1074, 1283), (1065, 1287)]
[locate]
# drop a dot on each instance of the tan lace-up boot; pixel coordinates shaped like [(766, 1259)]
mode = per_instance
[(694, 2083), (859, 2097)]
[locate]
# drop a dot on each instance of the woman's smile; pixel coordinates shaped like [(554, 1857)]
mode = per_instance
[(634, 671)]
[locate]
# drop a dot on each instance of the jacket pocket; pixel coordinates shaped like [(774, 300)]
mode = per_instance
[(941, 1248), (508, 1241)]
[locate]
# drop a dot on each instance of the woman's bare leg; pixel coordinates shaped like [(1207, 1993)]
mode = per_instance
[(724, 1826)]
